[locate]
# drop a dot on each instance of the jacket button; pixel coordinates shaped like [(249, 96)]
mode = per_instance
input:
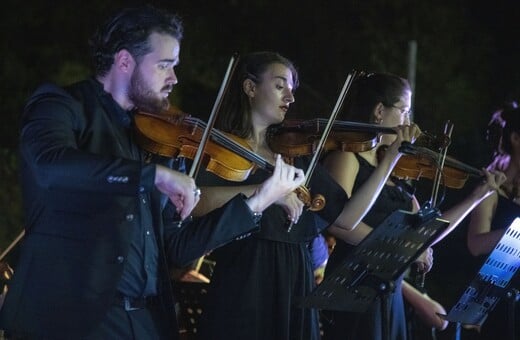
[(120, 259), (130, 217)]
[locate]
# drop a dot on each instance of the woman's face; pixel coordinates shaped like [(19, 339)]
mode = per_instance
[(271, 97), (395, 115), (398, 113)]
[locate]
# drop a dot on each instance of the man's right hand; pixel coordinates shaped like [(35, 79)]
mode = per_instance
[(179, 187)]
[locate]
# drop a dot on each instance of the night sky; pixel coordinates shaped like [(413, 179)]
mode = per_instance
[(466, 66)]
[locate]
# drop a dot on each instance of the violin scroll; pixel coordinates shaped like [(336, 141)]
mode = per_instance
[(315, 203)]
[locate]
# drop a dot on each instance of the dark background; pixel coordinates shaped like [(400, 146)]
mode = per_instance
[(466, 66)]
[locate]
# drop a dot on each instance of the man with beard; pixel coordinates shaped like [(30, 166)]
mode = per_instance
[(101, 220)]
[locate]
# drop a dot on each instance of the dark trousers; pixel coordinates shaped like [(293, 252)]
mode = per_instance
[(146, 323)]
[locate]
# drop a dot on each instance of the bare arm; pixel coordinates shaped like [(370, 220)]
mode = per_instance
[(344, 167), (351, 236), (361, 202), (284, 180), (426, 308), (355, 236), (215, 197), (481, 239), (457, 213)]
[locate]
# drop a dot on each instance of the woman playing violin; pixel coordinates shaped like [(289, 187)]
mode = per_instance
[(257, 280), (383, 99), (495, 214)]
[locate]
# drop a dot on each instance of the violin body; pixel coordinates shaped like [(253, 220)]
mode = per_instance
[(180, 135), (295, 138), (416, 166), (420, 162)]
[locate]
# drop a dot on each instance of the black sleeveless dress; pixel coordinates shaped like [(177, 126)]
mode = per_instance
[(368, 325), (258, 281)]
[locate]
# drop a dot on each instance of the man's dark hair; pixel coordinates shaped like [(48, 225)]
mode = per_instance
[(130, 29)]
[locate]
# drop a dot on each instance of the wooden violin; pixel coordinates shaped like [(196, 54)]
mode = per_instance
[(420, 162), (295, 138), (230, 157), (179, 135)]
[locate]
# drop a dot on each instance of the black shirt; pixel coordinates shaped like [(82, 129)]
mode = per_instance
[(140, 273)]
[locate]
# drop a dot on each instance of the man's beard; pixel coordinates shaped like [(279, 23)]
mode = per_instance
[(143, 97)]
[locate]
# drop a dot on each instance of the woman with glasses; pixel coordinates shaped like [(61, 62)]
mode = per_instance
[(385, 100)]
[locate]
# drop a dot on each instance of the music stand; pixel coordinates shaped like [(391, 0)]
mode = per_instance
[(491, 282), (191, 297), (371, 269)]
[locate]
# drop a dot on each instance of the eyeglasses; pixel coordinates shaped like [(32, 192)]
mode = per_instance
[(402, 110)]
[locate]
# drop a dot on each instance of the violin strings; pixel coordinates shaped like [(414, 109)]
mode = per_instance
[(222, 139), (354, 126), (436, 161)]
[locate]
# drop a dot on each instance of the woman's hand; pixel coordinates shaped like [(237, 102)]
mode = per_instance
[(493, 181), (425, 261), (405, 133), (285, 179), (292, 205)]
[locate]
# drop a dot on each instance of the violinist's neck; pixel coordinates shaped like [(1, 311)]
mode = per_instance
[(258, 143), (258, 139)]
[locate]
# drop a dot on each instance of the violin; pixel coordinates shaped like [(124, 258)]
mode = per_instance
[(420, 162), (178, 135), (294, 138), (174, 134)]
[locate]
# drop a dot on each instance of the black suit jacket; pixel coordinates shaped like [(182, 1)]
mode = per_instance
[(81, 174)]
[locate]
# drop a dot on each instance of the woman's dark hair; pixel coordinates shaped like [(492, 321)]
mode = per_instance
[(235, 115), (503, 123), (369, 90), (130, 29)]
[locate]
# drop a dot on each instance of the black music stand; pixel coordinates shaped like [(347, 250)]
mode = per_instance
[(491, 282), (191, 297), (371, 269)]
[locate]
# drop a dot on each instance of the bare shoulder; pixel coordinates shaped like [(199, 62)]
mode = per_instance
[(341, 160)]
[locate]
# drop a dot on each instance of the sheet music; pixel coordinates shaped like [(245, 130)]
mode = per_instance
[(490, 284)]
